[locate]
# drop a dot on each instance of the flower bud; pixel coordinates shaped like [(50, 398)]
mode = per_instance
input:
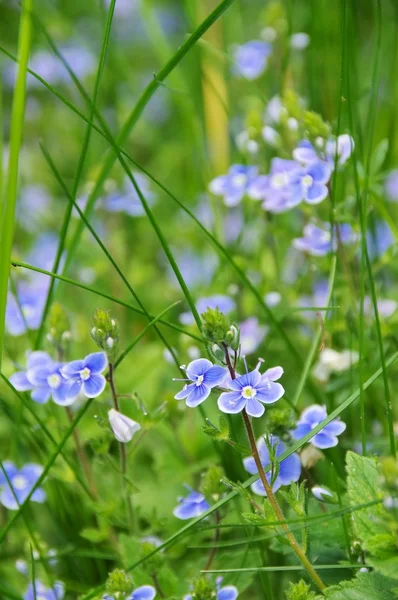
[(105, 332), (323, 494), (59, 334), (123, 427)]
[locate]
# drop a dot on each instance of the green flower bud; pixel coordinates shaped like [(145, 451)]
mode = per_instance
[(203, 589), (216, 325), (105, 332), (315, 125), (119, 583), (59, 334)]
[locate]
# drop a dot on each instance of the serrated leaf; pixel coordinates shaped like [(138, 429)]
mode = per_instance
[(366, 586)]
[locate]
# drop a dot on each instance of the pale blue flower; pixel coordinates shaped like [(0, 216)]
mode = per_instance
[(310, 418), (317, 241), (391, 186), (250, 59), (234, 185), (38, 591), (225, 304), (22, 481), (251, 335), (191, 506), (289, 469), (309, 183), (86, 374), (27, 312), (204, 376), (127, 200), (275, 189), (343, 146), (251, 391), (145, 592), (44, 379), (379, 239)]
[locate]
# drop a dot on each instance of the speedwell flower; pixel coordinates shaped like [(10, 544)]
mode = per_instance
[(318, 241), (191, 506), (204, 376), (251, 59), (309, 183), (251, 391), (228, 592), (145, 592), (310, 418), (22, 481), (38, 591), (86, 374), (234, 185), (289, 469), (123, 427)]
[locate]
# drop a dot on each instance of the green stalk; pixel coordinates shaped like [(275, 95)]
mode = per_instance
[(7, 221)]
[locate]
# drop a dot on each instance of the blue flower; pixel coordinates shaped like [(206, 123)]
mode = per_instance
[(234, 185), (251, 59), (38, 591), (289, 469), (44, 378), (391, 186), (225, 304), (128, 200), (251, 391), (251, 335), (204, 376), (31, 301), (86, 374), (145, 592), (275, 188), (318, 241), (22, 481), (310, 418), (379, 239), (191, 506), (309, 183), (343, 147), (228, 592)]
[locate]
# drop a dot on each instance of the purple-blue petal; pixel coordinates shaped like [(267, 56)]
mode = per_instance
[(96, 362), (290, 469), (10, 469), (252, 378), (198, 395), (335, 427), (229, 592), (316, 193), (323, 440), (41, 395), (94, 386), (313, 414), (72, 369), (186, 390), (254, 408), (301, 430), (269, 393), (250, 465), (198, 367), (231, 402), (214, 376), (319, 171), (20, 381), (145, 592)]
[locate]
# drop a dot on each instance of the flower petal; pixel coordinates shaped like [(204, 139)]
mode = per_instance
[(323, 440), (273, 374), (301, 430), (198, 367), (39, 495), (145, 592), (72, 369), (38, 359), (250, 465), (20, 381), (62, 395), (316, 193), (94, 386), (252, 378), (10, 469), (96, 362), (214, 376), (290, 469), (254, 408), (269, 393), (186, 390), (198, 395), (334, 428), (217, 185), (41, 395), (229, 592), (313, 414), (320, 171), (231, 402)]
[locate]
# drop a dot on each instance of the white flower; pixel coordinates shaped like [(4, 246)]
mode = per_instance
[(331, 361), (123, 427), (299, 41), (271, 136), (320, 492)]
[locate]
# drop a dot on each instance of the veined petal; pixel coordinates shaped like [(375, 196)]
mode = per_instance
[(254, 408), (72, 369), (313, 414), (186, 390), (145, 592), (269, 393), (94, 386), (320, 171), (198, 367), (38, 375), (252, 378), (290, 469), (198, 395), (214, 376), (96, 362), (323, 440), (62, 396), (316, 193), (335, 427), (231, 402)]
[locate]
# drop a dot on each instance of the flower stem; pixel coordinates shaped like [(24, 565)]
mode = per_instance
[(81, 453), (277, 510), (216, 538), (123, 454), (270, 495)]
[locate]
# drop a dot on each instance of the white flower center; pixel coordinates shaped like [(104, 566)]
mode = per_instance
[(199, 380), (307, 181), (19, 482), (279, 180), (85, 373), (54, 381), (248, 392), (28, 311), (239, 180)]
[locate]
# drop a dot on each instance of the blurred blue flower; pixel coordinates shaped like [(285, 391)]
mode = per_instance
[(86, 374), (191, 506), (251, 335), (44, 378), (145, 592), (289, 469), (37, 196), (386, 308), (26, 313), (275, 189), (309, 184), (204, 376), (225, 304), (391, 186), (310, 418), (318, 298), (251, 391), (22, 481), (38, 591), (196, 269), (234, 185), (317, 241), (379, 239), (342, 146), (128, 200), (250, 59)]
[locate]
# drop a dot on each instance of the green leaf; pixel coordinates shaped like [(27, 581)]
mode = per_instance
[(95, 535), (378, 157), (300, 591), (366, 586)]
